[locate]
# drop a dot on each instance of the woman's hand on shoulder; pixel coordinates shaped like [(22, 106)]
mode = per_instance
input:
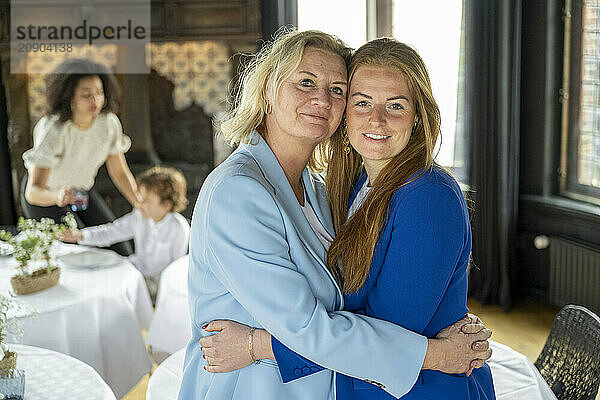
[(459, 348)]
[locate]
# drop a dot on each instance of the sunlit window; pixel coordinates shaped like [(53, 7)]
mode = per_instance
[(347, 19), (580, 164), (436, 36), (588, 169)]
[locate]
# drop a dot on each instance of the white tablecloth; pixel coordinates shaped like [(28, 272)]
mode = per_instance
[(170, 328), (53, 376), (515, 377), (94, 315), (166, 379)]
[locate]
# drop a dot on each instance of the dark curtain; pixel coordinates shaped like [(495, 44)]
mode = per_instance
[(277, 13), (7, 207), (493, 48)]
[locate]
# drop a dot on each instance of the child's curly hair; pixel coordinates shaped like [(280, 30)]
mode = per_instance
[(168, 183)]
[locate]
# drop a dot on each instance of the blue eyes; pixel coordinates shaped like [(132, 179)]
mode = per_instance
[(309, 83), (393, 106)]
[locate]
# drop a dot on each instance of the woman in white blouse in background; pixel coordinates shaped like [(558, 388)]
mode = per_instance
[(72, 141)]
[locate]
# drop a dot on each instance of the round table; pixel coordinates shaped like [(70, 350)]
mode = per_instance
[(515, 377), (165, 381), (53, 376), (94, 315), (170, 328)]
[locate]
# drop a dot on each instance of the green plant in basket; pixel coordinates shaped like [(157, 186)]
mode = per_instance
[(34, 243)]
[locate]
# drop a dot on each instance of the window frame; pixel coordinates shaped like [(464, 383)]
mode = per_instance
[(569, 185)]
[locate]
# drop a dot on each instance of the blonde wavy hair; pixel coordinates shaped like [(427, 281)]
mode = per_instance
[(356, 238), (275, 62)]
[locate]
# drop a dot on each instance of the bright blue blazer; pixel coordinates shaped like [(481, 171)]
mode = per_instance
[(255, 259), (418, 279)]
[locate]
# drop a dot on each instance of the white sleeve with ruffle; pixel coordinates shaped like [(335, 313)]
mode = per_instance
[(48, 143), (120, 142)]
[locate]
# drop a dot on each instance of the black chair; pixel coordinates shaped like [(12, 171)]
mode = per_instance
[(570, 360)]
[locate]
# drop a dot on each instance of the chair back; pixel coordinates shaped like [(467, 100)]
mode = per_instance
[(570, 359)]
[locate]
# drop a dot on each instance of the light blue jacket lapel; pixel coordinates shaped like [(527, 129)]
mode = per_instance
[(273, 173)]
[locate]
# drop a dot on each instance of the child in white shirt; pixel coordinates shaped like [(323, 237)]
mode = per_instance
[(160, 233)]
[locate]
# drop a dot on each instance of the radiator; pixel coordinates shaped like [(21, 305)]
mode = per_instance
[(574, 274)]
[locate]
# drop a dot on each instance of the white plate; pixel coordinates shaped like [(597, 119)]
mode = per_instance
[(5, 249), (89, 258)]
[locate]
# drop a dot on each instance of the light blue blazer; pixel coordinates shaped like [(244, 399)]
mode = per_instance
[(255, 259)]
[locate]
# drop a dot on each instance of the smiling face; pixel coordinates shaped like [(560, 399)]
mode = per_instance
[(380, 115), (88, 98), (310, 102)]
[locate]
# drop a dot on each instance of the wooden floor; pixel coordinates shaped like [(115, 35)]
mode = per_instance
[(525, 329)]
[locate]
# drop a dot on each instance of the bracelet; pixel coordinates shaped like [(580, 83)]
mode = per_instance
[(251, 344)]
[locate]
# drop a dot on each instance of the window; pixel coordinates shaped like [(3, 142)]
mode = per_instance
[(346, 19), (580, 155), (412, 23)]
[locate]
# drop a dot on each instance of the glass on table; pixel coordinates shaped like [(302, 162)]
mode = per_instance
[(12, 384), (81, 200)]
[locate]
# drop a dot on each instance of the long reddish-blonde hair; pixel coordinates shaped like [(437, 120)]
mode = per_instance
[(355, 240)]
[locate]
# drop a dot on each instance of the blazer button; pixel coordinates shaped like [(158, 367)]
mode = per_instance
[(297, 371)]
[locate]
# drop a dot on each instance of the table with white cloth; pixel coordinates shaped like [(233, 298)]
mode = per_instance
[(54, 376), (515, 377), (170, 328), (94, 315)]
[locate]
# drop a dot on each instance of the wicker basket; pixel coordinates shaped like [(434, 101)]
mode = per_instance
[(38, 280), (9, 361)]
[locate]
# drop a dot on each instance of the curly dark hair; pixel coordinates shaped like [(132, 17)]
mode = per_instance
[(61, 84), (168, 183)]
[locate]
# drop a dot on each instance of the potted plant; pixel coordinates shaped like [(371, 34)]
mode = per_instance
[(33, 243), (8, 325)]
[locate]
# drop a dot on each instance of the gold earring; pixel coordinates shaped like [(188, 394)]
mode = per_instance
[(414, 128), (268, 108), (346, 140)]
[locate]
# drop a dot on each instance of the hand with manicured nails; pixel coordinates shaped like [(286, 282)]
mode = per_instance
[(459, 348), (228, 349)]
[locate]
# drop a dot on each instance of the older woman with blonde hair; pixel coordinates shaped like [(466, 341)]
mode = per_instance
[(259, 235)]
